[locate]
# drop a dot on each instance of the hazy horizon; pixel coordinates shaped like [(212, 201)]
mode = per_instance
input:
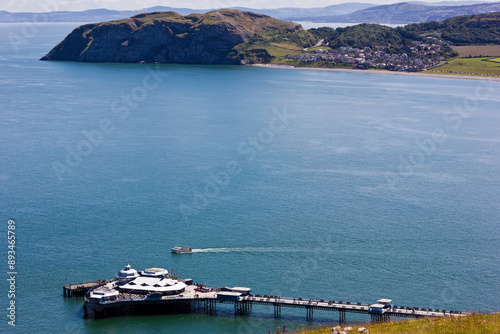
[(80, 5)]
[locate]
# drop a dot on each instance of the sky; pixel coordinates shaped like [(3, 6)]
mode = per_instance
[(77, 5)]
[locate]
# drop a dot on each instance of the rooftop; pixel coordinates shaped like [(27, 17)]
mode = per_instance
[(154, 284)]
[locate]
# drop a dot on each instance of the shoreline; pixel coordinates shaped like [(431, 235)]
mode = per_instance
[(418, 74)]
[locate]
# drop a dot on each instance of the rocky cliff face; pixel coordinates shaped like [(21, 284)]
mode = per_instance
[(168, 37)]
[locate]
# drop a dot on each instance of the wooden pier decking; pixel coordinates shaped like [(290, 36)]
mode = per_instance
[(152, 292), (186, 302), (341, 307), (79, 289), (244, 305)]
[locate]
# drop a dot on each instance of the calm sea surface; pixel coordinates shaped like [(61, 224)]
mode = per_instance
[(329, 185)]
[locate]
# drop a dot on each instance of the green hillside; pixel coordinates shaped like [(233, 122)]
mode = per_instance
[(471, 324), (218, 37), (461, 30)]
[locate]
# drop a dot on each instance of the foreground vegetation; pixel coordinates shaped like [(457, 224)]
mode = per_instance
[(471, 324)]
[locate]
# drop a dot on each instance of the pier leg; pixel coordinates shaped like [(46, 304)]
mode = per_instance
[(241, 308), (208, 306), (341, 316), (277, 311), (380, 317), (309, 314)]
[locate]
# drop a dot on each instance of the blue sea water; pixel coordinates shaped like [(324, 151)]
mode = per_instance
[(329, 185)]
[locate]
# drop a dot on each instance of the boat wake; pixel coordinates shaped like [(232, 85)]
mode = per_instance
[(244, 249)]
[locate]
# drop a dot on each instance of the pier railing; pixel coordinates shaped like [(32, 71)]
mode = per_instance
[(243, 304)]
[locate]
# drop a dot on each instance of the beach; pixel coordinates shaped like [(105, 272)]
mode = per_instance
[(420, 74)]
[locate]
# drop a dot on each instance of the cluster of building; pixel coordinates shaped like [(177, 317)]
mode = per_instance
[(416, 57), (151, 291), (153, 282)]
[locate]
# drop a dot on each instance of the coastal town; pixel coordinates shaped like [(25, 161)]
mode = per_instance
[(418, 56)]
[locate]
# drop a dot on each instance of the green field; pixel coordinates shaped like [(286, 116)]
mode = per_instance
[(478, 50), (471, 65), (277, 50), (472, 324)]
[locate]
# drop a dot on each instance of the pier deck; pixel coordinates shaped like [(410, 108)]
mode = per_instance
[(79, 289), (243, 305), (343, 308), (110, 298)]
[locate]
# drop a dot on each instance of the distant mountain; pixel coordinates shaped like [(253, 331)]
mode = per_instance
[(98, 15), (91, 15), (404, 13), (306, 13), (357, 12), (447, 3)]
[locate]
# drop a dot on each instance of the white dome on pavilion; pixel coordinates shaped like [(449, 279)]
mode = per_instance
[(127, 274)]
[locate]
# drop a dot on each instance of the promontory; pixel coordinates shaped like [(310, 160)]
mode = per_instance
[(224, 36)]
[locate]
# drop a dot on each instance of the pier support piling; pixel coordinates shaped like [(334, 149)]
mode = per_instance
[(309, 314), (242, 308), (342, 316), (277, 310), (209, 306), (380, 317)]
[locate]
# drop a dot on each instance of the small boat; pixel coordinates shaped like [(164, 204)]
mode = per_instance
[(181, 250)]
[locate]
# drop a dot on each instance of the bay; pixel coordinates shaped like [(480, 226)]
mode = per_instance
[(329, 185)]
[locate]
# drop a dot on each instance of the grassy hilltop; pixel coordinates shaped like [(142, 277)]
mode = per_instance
[(168, 37), (471, 324), (460, 30)]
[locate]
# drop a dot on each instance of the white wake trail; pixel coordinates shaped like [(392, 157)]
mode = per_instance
[(244, 249)]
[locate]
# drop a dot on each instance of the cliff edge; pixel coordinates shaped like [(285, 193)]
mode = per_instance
[(219, 37)]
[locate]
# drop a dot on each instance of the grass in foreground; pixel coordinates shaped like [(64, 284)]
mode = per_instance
[(471, 65), (471, 324)]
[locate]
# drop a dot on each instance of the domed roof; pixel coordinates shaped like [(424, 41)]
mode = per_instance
[(127, 272), (154, 272)]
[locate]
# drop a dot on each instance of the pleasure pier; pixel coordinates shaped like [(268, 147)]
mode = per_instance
[(154, 291)]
